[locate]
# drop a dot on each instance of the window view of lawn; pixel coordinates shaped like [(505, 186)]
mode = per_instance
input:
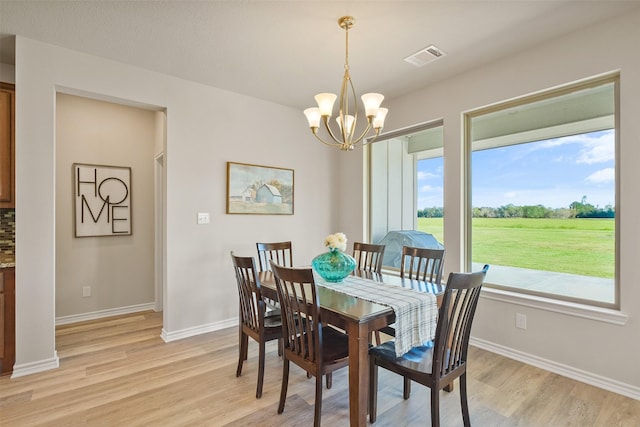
[(543, 215), (582, 246), (542, 190)]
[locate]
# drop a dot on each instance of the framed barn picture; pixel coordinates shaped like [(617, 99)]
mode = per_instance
[(102, 198), (255, 189)]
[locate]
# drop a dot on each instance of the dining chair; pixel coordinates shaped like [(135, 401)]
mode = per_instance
[(254, 322), (318, 349), (368, 256), (419, 264), (279, 252), (422, 264), (443, 360)]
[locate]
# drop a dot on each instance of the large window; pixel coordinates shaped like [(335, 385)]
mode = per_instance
[(406, 182), (543, 193)]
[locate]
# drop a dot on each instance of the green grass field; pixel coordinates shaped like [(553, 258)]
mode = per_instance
[(577, 246)]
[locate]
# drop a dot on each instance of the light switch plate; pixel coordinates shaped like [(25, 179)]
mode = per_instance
[(203, 217)]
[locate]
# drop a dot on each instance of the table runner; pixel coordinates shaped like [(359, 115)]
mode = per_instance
[(416, 312)]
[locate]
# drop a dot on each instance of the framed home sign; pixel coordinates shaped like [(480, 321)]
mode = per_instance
[(254, 189), (102, 199)]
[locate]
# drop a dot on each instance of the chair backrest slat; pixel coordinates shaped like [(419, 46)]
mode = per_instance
[(422, 264), (278, 252), (368, 256), (251, 304), (299, 305), (455, 320)]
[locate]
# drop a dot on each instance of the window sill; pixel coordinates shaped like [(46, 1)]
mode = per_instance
[(607, 315)]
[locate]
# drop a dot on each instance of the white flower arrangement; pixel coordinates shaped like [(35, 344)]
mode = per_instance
[(336, 241)]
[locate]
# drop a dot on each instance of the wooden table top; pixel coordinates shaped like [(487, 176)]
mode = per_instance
[(350, 306)]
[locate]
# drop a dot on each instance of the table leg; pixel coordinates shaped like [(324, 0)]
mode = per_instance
[(358, 374)]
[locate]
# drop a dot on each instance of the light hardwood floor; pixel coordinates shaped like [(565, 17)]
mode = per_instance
[(118, 372)]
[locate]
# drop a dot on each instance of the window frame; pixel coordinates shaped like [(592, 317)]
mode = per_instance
[(585, 308)]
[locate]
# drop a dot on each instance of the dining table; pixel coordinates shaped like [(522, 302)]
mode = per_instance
[(358, 317)]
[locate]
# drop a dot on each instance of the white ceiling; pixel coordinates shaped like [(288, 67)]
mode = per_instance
[(287, 51)]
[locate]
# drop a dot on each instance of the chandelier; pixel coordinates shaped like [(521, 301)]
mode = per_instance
[(345, 138)]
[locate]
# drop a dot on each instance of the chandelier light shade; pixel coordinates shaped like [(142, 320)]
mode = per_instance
[(345, 135)]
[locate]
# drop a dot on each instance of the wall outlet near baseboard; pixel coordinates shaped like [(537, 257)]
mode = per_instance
[(521, 321), (86, 291)]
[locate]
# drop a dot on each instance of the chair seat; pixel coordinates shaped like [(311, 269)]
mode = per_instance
[(272, 322), (335, 345), (417, 359)]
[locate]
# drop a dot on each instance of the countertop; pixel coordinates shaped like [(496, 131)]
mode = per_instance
[(7, 260)]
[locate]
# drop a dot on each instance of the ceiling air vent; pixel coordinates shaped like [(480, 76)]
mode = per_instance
[(424, 56)]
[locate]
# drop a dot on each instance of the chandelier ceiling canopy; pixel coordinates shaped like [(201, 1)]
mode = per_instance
[(345, 136)]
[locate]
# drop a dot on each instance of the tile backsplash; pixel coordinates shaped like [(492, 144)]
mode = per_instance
[(8, 231)]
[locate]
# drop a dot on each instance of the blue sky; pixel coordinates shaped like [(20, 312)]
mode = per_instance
[(552, 173)]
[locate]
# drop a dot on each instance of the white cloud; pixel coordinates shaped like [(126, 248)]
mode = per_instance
[(422, 176), (549, 143), (595, 149), (603, 176)]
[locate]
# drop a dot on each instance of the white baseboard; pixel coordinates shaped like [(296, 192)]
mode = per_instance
[(35, 367), (197, 330), (65, 320), (560, 369)]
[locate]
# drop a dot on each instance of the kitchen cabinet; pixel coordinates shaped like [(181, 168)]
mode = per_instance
[(7, 145), (7, 320)]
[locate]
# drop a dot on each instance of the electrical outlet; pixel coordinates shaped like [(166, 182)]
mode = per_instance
[(521, 321), (86, 291)]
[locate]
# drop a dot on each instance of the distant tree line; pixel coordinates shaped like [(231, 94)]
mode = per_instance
[(431, 213), (580, 209)]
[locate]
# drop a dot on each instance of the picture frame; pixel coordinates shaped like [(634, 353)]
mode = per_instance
[(261, 190), (102, 200)]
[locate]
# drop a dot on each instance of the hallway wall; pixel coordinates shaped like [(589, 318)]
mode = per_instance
[(118, 269)]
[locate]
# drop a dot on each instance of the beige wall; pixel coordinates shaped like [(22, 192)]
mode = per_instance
[(119, 269), (205, 128)]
